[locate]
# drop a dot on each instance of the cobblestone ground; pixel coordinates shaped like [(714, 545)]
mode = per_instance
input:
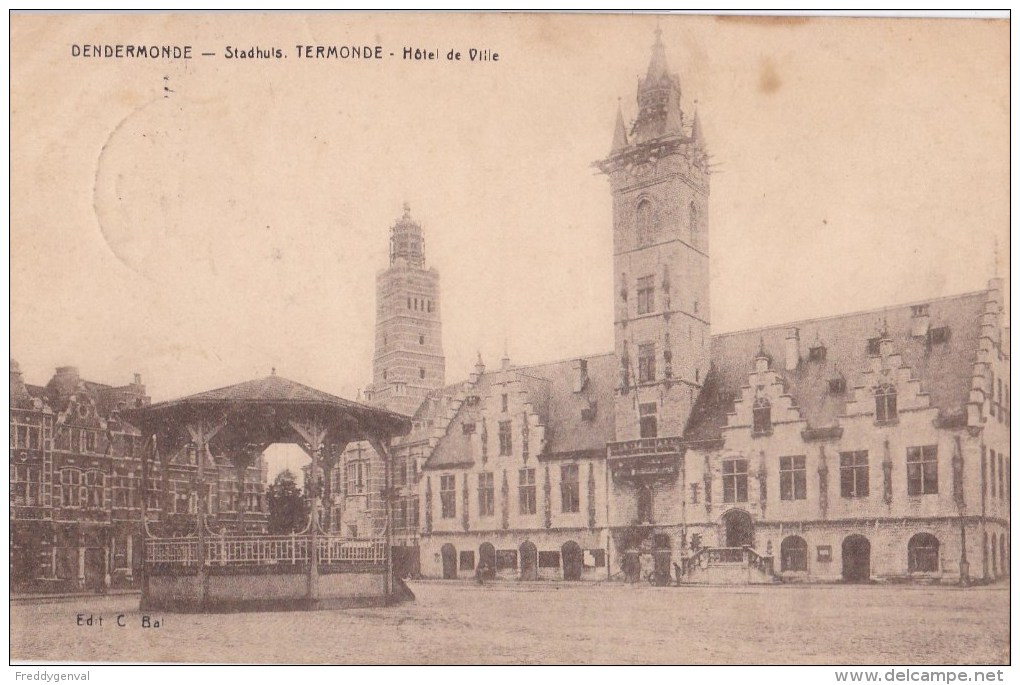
[(454, 623)]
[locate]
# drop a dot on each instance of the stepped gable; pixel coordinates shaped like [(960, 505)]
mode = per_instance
[(944, 369), (575, 421)]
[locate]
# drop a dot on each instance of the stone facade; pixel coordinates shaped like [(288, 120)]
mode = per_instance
[(516, 487)]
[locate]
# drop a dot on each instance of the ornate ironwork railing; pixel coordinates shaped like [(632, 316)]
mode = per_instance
[(263, 550)]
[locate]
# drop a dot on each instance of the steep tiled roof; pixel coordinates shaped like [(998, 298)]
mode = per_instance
[(550, 389), (944, 369)]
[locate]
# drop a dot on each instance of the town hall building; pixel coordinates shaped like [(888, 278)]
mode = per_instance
[(857, 447)]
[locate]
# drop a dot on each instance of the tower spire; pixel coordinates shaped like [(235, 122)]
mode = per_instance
[(658, 98), (619, 131), (657, 67)]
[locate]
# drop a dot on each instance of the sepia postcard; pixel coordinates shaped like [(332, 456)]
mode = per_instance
[(510, 338)]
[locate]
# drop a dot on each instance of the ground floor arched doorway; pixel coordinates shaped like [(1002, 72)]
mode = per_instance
[(449, 554), (738, 527), (856, 559), (529, 561), (487, 560), (573, 560)]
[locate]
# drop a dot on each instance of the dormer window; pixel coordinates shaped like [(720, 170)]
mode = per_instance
[(816, 353), (761, 414), (885, 404), (837, 386)]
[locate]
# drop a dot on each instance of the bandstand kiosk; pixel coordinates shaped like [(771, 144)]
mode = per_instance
[(222, 570)]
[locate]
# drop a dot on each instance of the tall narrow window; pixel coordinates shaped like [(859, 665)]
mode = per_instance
[(761, 414), (694, 223), (792, 478), (922, 470), (486, 495), (526, 491), (506, 443), (649, 420), (853, 473), (356, 475), (570, 488), (734, 480), (885, 403), (448, 496), (646, 363), (991, 480), (646, 295), (1001, 476), (645, 224)]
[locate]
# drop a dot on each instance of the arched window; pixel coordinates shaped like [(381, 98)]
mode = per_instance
[(885, 403), (923, 553), (645, 223), (694, 222), (793, 554), (762, 416), (995, 557)]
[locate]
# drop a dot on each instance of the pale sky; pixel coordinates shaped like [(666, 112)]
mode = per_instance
[(236, 225)]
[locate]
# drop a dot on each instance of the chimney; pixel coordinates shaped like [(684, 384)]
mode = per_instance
[(792, 349), (580, 374), (920, 320), (138, 379)]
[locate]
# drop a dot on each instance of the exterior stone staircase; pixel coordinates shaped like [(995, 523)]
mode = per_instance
[(726, 566)]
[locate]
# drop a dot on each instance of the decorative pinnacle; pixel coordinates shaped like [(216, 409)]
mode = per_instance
[(407, 208)]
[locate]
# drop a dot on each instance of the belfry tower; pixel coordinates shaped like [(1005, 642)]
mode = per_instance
[(408, 361), (659, 177)]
